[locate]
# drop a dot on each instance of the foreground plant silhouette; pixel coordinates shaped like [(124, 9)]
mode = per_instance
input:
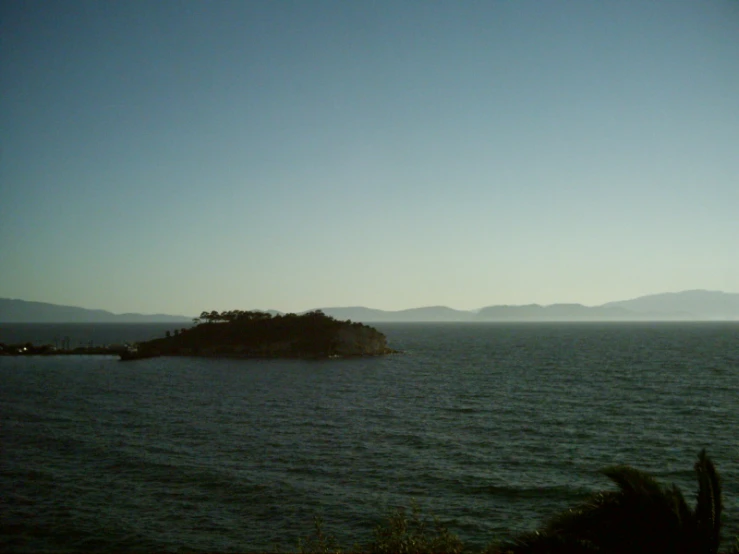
[(641, 516)]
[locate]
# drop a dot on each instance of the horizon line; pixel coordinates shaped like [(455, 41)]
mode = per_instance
[(348, 307)]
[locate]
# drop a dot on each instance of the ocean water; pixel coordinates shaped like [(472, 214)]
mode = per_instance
[(491, 427)]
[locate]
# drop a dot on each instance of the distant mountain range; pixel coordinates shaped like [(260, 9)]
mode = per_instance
[(21, 311), (679, 306)]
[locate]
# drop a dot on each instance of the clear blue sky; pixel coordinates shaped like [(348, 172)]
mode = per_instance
[(175, 156)]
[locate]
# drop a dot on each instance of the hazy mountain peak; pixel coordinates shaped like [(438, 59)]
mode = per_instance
[(697, 303)]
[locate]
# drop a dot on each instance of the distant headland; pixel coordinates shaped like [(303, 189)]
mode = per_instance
[(23, 311), (692, 305)]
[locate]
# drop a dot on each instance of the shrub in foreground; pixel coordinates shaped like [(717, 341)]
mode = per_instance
[(642, 516)]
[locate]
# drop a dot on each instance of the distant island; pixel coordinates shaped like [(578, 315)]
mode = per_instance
[(693, 305), (252, 334)]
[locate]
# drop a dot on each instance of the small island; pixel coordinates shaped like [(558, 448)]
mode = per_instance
[(252, 334)]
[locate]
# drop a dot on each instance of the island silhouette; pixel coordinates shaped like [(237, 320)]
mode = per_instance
[(254, 334)]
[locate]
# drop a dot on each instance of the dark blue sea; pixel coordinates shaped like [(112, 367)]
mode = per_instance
[(491, 427)]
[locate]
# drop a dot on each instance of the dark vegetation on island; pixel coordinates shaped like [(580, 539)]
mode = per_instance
[(252, 334), (641, 517)]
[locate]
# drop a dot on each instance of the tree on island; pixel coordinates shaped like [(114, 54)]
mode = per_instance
[(231, 316)]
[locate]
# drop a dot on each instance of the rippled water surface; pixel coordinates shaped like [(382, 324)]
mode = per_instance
[(491, 427)]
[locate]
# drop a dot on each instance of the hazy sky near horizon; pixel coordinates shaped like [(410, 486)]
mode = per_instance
[(180, 155)]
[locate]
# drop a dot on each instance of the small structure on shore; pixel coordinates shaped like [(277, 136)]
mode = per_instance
[(133, 353)]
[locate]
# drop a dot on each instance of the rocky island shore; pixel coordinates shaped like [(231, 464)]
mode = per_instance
[(250, 334)]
